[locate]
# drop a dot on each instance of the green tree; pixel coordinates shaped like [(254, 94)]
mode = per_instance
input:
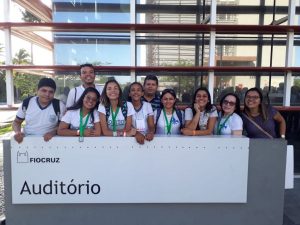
[(28, 17), (24, 83)]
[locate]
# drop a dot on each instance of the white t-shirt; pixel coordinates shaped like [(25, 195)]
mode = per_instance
[(234, 122), (38, 120), (204, 116), (120, 120), (140, 117), (72, 117), (161, 126), (78, 92)]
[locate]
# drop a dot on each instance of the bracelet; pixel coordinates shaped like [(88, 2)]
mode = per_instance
[(194, 132), (124, 134), (77, 133)]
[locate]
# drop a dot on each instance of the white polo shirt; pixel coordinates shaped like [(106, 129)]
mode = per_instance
[(77, 91), (120, 120), (39, 120)]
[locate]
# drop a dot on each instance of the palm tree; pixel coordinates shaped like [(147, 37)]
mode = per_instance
[(28, 17), (24, 83), (21, 57)]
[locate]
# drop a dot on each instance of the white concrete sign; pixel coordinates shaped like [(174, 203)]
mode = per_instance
[(118, 170)]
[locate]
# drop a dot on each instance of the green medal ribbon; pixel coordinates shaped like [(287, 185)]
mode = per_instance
[(114, 116), (82, 126), (169, 125), (221, 126)]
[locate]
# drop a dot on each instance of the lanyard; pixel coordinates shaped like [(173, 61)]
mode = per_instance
[(114, 116), (169, 125), (82, 126), (221, 126)]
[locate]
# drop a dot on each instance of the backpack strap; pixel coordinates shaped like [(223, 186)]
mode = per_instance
[(158, 112), (107, 112), (124, 109), (56, 106), (26, 103), (75, 95), (179, 115)]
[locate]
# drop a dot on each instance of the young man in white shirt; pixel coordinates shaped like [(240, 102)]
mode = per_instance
[(87, 76), (41, 113)]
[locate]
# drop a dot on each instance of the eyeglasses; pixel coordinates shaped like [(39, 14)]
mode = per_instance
[(90, 99), (252, 97), (225, 102)]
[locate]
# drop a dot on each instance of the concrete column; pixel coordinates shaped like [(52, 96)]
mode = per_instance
[(8, 57)]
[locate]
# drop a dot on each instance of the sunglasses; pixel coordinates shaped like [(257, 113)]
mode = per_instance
[(225, 102)]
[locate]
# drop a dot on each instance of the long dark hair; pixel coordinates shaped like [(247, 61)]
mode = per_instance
[(171, 92), (208, 106), (138, 83), (262, 107), (105, 100), (237, 109), (79, 103)]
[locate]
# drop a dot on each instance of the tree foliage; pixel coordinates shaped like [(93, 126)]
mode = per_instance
[(25, 83), (28, 17)]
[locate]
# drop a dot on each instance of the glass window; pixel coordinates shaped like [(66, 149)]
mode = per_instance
[(236, 50), (89, 11), (2, 86), (237, 83), (171, 49), (183, 83), (275, 93), (172, 12), (96, 48), (295, 91)]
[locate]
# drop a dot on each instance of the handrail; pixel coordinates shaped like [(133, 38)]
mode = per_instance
[(154, 69), (154, 28)]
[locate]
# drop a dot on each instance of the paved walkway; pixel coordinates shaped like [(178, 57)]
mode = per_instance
[(7, 116)]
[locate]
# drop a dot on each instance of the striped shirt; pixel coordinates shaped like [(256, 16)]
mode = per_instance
[(155, 102)]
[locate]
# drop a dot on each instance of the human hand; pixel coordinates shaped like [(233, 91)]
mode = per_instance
[(89, 132), (149, 136), (140, 138), (196, 107), (19, 136), (188, 132), (48, 136)]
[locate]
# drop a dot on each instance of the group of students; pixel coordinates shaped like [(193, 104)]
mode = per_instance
[(91, 111)]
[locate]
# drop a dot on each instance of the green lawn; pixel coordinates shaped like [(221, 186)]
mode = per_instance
[(5, 130)]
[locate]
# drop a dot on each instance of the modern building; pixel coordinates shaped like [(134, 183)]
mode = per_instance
[(225, 45)]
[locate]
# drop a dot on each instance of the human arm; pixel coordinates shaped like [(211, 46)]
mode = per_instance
[(103, 125), (281, 122), (151, 128), (208, 131), (191, 121), (17, 126)]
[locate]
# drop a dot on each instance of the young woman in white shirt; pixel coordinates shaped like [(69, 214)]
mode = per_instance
[(143, 118), (229, 121), (82, 119), (115, 114), (168, 120), (202, 116)]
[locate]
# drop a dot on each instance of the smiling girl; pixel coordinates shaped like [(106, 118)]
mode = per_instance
[(115, 114), (202, 116)]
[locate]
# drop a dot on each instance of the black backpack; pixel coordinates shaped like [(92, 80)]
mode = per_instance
[(55, 104), (178, 113)]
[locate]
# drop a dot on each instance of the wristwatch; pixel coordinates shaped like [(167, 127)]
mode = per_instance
[(282, 136)]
